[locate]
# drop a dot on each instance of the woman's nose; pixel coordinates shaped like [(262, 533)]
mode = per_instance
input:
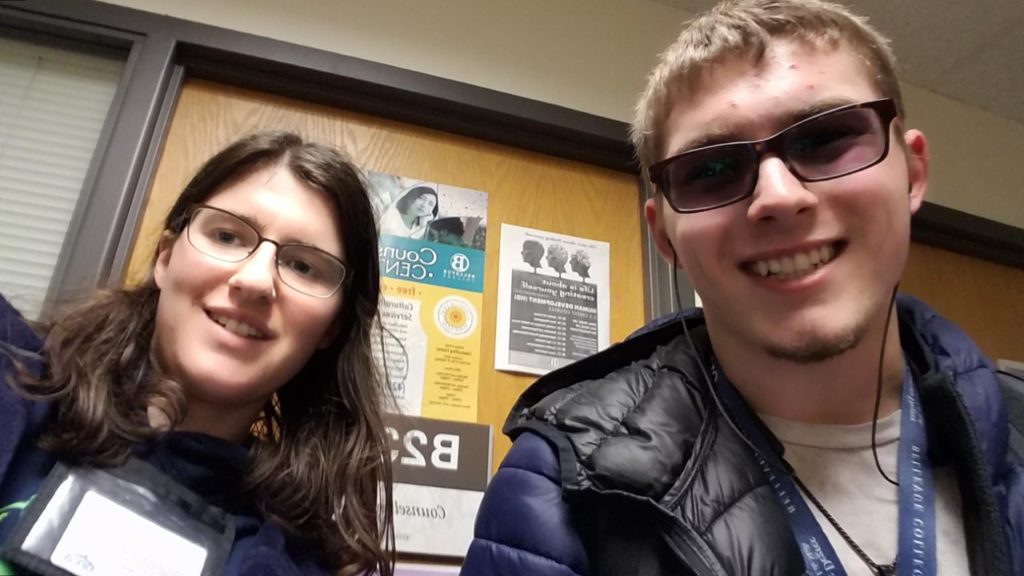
[(256, 276)]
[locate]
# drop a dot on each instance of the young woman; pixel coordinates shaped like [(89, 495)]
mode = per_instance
[(411, 214), (241, 369)]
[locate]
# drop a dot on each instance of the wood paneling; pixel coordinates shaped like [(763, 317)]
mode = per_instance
[(524, 188), (985, 299)]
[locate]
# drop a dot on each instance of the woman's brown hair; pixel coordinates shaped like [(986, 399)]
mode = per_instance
[(321, 466)]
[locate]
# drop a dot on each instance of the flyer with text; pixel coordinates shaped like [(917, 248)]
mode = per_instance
[(553, 300), (432, 239)]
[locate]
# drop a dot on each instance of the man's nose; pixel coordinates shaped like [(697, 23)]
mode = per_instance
[(779, 194)]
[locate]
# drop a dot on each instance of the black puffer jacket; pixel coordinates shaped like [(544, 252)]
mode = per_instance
[(654, 456), (650, 476)]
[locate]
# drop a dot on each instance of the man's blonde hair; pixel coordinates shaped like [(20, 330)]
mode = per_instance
[(745, 28)]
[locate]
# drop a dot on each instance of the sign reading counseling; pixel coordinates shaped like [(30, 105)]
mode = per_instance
[(432, 239), (441, 469)]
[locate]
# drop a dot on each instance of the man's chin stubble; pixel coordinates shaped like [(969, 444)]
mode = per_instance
[(818, 350)]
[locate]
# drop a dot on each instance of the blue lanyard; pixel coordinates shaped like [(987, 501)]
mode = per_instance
[(917, 490), (916, 556)]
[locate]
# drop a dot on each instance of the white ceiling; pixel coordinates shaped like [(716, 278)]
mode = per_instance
[(967, 50)]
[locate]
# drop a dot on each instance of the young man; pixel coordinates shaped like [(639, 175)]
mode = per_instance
[(806, 421)]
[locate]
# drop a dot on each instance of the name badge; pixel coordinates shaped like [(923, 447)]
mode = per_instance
[(125, 521)]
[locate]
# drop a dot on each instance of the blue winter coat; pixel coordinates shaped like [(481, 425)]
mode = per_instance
[(529, 521)]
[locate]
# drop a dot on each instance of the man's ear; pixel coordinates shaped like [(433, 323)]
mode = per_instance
[(917, 167), (654, 214), (163, 257)]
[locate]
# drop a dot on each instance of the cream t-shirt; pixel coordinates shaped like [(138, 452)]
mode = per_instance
[(837, 466)]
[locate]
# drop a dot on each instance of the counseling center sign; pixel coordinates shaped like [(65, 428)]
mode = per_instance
[(441, 469), (432, 273)]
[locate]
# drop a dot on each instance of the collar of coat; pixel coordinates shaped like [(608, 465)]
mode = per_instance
[(939, 354)]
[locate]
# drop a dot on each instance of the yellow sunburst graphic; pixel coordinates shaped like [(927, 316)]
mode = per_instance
[(455, 317)]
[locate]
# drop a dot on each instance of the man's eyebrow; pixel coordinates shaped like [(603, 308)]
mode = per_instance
[(726, 134), (711, 137)]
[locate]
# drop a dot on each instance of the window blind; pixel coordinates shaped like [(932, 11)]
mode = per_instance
[(53, 104)]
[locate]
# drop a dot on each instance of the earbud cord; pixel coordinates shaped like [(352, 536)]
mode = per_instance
[(878, 390), (707, 378), (1010, 374), (875, 567), (728, 419)]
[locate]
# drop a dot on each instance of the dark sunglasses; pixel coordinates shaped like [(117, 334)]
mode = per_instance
[(828, 145)]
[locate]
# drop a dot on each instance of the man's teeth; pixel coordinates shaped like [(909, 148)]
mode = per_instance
[(240, 328), (794, 266)]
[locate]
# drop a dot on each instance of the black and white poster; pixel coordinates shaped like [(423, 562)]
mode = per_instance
[(553, 300)]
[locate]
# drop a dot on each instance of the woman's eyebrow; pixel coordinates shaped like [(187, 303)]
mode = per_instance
[(292, 240), (250, 220)]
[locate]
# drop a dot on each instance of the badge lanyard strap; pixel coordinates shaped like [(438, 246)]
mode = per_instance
[(917, 550), (917, 546)]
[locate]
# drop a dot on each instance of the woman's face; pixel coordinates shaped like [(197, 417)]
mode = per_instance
[(423, 205), (231, 332)]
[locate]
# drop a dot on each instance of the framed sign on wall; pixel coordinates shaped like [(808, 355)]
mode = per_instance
[(441, 469)]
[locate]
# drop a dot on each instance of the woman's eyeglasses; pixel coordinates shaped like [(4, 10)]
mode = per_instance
[(225, 236), (829, 145)]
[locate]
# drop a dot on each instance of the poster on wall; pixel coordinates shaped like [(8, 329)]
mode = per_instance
[(553, 300), (432, 239), (441, 469)]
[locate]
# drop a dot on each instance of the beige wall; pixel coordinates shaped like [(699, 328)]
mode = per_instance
[(589, 55), (977, 158)]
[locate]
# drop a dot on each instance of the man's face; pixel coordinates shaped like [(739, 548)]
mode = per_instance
[(859, 223)]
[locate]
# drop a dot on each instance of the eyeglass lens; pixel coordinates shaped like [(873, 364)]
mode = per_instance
[(829, 146), (226, 237)]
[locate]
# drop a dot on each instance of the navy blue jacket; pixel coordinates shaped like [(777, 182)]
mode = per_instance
[(210, 467), (526, 524)]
